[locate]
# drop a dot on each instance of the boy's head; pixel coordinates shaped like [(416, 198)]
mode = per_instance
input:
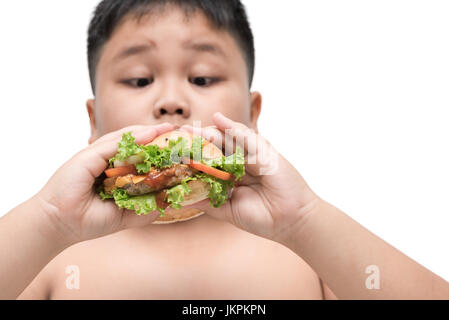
[(178, 61)]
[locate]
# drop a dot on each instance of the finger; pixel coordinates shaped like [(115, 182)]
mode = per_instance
[(96, 157), (211, 134), (260, 155), (131, 220), (240, 133), (108, 148), (247, 180), (145, 137), (215, 136), (222, 122), (116, 135)]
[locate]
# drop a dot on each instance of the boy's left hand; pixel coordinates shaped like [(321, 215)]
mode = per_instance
[(272, 198)]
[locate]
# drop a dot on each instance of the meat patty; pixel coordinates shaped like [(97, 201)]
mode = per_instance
[(155, 180)]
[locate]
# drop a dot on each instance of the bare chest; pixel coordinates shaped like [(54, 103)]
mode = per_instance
[(214, 268)]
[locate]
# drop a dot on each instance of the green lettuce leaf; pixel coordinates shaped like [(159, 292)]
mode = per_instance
[(197, 149), (219, 189), (179, 149), (104, 195), (142, 205), (153, 156), (234, 164), (176, 194), (127, 147)]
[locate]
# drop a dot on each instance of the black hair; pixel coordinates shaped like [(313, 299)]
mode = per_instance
[(228, 15)]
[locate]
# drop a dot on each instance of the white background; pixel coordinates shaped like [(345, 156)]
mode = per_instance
[(356, 96)]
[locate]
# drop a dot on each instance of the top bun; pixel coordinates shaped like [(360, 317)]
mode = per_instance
[(199, 189)]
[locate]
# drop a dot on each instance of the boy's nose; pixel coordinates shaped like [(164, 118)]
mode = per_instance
[(171, 107)]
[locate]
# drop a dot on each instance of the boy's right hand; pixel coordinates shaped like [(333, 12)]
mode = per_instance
[(70, 201)]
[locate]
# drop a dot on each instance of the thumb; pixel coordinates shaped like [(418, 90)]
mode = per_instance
[(131, 220)]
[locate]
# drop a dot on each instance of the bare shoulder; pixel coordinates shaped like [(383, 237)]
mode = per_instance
[(41, 288), (61, 271)]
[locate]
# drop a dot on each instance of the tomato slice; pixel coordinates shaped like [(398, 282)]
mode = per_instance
[(223, 175), (121, 171)]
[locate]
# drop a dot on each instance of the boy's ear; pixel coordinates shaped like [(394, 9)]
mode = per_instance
[(90, 105), (256, 108)]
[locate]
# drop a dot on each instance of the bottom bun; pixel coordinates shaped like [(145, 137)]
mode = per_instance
[(199, 191), (179, 216)]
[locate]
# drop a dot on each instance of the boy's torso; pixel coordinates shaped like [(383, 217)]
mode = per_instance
[(199, 259)]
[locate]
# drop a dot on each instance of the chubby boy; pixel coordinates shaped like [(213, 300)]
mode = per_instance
[(160, 65)]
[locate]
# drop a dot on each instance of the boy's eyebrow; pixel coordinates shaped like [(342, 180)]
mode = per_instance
[(205, 47), (135, 50), (194, 46)]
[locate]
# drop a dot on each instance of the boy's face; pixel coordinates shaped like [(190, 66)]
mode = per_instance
[(169, 69)]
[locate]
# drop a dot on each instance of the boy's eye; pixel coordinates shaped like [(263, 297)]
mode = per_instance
[(140, 82), (203, 81)]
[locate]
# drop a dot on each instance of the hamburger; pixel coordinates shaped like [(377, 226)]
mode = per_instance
[(176, 169)]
